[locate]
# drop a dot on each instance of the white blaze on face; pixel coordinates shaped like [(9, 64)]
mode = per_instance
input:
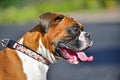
[(85, 41)]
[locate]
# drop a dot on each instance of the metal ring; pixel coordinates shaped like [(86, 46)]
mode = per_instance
[(4, 42), (1, 41)]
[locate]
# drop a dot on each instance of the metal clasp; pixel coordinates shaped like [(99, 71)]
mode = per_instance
[(4, 42)]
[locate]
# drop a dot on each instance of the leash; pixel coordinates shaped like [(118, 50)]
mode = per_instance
[(25, 50)]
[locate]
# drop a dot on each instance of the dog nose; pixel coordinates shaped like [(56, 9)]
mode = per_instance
[(87, 35)]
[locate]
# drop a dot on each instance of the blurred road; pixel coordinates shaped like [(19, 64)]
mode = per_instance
[(105, 29)]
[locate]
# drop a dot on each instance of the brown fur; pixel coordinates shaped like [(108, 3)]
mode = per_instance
[(10, 66)]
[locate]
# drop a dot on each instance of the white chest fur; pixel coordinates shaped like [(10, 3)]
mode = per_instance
[(33, 69)]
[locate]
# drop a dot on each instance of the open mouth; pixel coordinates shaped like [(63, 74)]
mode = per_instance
[(75, 57)]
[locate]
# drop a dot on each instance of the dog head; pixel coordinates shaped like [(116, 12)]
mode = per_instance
[(64, 37)]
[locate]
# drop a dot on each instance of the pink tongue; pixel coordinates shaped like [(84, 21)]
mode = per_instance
[(82, 56)]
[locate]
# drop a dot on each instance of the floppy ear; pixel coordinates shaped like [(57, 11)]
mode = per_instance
[(47, 19), (44, 22)]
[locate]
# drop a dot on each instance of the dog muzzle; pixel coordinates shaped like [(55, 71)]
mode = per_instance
[(74, 52)]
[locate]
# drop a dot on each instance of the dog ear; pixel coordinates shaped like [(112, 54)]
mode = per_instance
[(44, 22), (47, 19)]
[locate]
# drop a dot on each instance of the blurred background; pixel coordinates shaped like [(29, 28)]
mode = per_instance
[(100, 17)]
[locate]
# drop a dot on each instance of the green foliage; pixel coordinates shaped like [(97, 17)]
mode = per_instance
[(21, 11)]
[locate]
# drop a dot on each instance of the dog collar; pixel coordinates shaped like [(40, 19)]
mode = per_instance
[(29, 52)]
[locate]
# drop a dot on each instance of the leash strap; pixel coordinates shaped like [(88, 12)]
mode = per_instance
[(29, 52)]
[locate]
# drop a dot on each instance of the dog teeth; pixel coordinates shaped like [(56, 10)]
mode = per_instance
[(73, 62), (76, 62)]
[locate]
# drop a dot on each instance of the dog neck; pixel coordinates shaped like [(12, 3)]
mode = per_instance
[(45, 53), (33, 69)]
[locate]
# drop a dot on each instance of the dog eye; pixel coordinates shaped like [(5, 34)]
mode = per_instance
[(59, 18), (74, 31)]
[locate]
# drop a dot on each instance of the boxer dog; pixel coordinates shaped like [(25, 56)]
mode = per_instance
[(55, 36)]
